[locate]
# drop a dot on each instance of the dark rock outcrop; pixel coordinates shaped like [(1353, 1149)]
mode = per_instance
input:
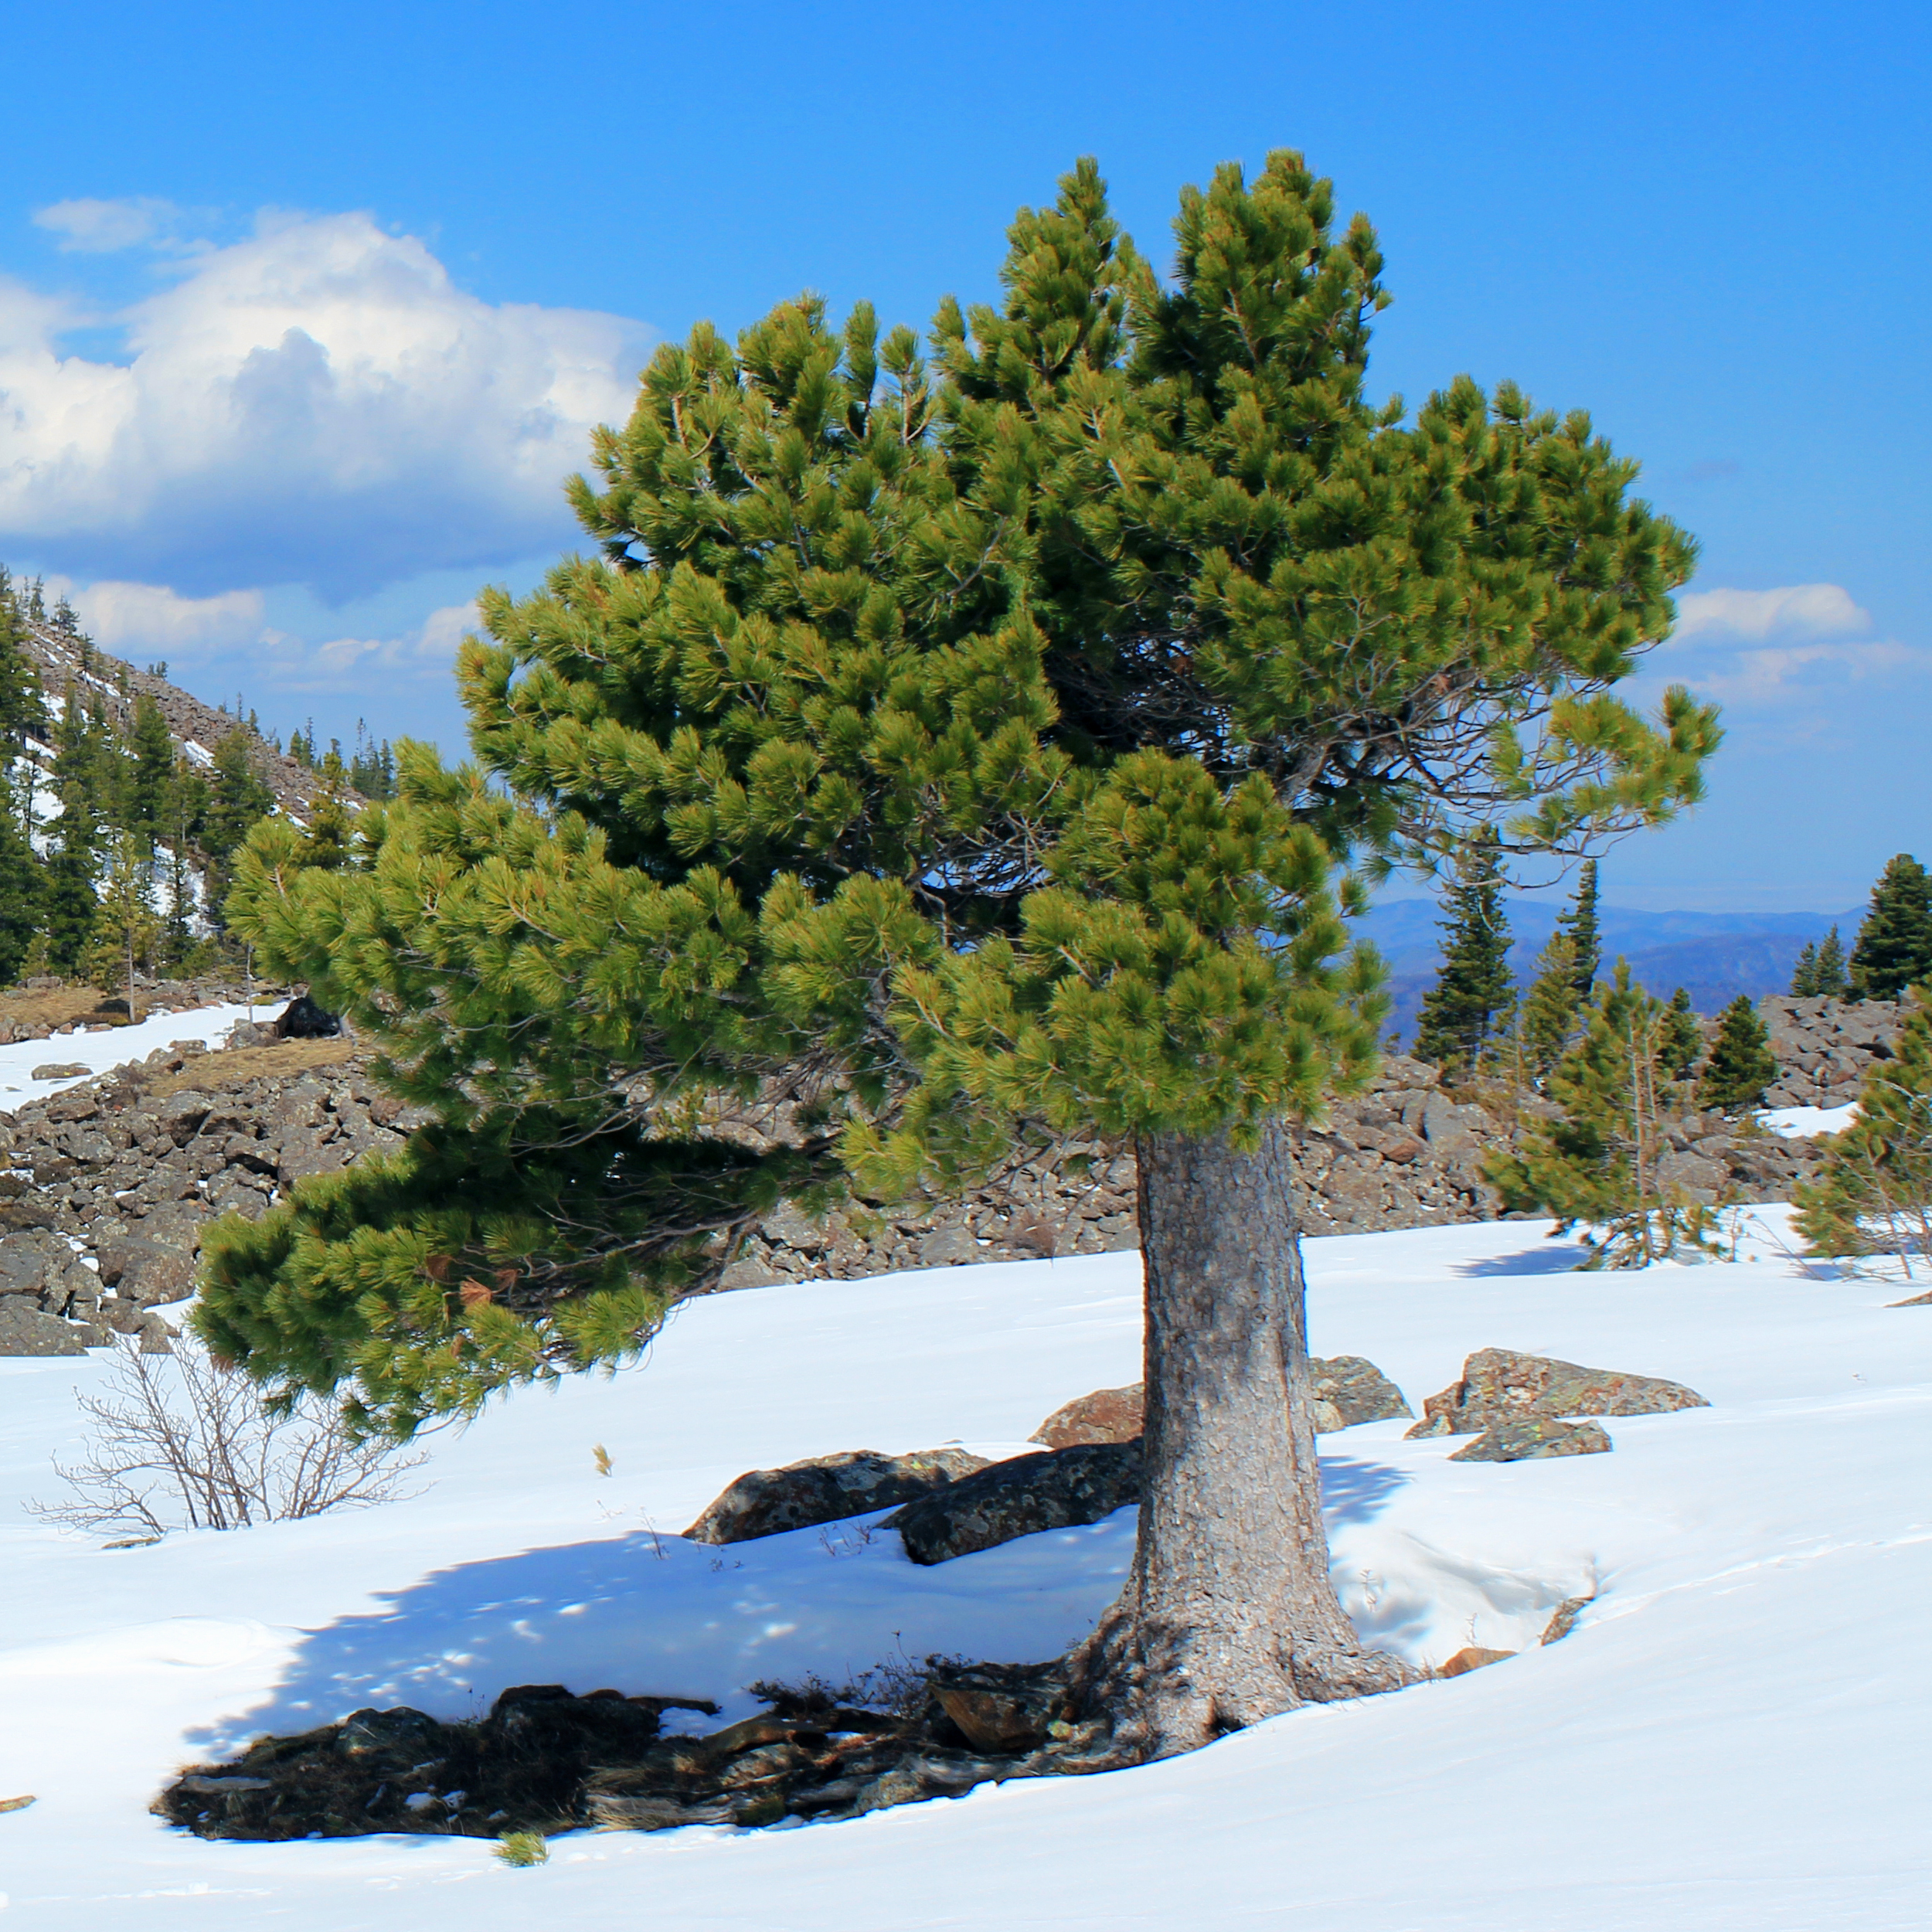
[(1498, 1385), (1531, 1438), (1055, 1489), (822, 1489)]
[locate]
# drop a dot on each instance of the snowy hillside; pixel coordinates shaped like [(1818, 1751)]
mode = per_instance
[(1731, 1741)]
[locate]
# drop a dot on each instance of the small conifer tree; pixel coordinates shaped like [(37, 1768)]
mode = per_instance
[(1894, 948), (127, 934), (1683, 1039), (1467, 1008), (1804, 973), (1741, 1063), (1596, 1166), (1829, 978), (1873, 1192), (1547, 1023), (22, 887), (1579, 923)]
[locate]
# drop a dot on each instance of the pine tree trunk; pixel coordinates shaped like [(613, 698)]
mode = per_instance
[(1229, 1616)]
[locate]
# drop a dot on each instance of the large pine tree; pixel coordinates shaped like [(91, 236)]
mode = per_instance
[(932, 764), (1894, 948), (1465, 1010)]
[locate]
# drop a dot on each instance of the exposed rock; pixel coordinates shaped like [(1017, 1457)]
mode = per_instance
[(1107, 1415), (146, 1271), (24, 1330), (546, 1760), (1350, 1389), (998, 1707), (61, 1070), (1530, 1438), (1054, 1489), (1564, 1618), (1499, 1385), (764, 1503), (1346, 1390), (302, 1019), (1472, 1657)]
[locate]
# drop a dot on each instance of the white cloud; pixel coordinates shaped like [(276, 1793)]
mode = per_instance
[(1796, 610), (1790, 672), (317, 404), (149, 616), (99, 227), (431, 645)]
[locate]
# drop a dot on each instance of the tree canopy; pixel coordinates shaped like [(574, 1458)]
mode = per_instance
[(938, 756)]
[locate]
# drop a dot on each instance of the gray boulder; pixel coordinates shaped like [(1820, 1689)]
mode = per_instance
[(1350, 1388), (24, 1330), (1056, 1489), (1499, 1385), (765, 1502), (1530, 1438), (145, 1271)]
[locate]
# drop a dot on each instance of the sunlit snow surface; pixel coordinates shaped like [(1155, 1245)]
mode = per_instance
[(1795, 1122), (1734, 1740)]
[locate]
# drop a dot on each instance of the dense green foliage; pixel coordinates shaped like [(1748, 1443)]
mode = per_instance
[(1873, 1192), (1741, 1064), (1546, 1020), (1894, 947), (1471, 1001), (1683, 1040), (935, 758)]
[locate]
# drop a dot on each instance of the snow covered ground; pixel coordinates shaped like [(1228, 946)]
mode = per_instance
[(111, 1046), (1733, 1740), (1795, 1122)]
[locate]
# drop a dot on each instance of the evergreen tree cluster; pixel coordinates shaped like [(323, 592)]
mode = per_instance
[(1820, 972), (141, 848)]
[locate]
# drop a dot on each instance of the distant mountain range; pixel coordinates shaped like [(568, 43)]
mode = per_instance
[(1713, 956)]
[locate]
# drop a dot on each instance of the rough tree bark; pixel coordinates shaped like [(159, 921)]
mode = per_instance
[(1229, 1615)]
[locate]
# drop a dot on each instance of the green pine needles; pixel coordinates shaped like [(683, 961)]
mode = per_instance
[(1741, 1064), (935, 756), (1894, 948), (1470, 1004), (1596, 1166)]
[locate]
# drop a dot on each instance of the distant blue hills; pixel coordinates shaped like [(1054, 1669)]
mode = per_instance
[(1713, 956)]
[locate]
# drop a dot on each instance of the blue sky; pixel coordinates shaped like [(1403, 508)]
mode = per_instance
[(304, 314)]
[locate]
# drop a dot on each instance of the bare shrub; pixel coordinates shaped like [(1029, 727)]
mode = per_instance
[(182, 1442)]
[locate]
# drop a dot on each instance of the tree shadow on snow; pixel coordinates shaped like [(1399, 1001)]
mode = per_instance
[(1355, 1492), (650, 1614), (1547, 1257)]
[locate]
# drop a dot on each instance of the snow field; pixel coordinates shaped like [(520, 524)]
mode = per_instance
[(1731, 1740), (110, 1047)]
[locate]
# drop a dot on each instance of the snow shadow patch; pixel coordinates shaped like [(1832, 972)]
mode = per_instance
[(1546, 1257), (1356, 1491), (655, 1616)]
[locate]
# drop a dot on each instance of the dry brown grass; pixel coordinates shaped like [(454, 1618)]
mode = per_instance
[(229, 1070), (63, 1005)]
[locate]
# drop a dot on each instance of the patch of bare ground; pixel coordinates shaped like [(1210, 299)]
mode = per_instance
[(230, 1071)]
